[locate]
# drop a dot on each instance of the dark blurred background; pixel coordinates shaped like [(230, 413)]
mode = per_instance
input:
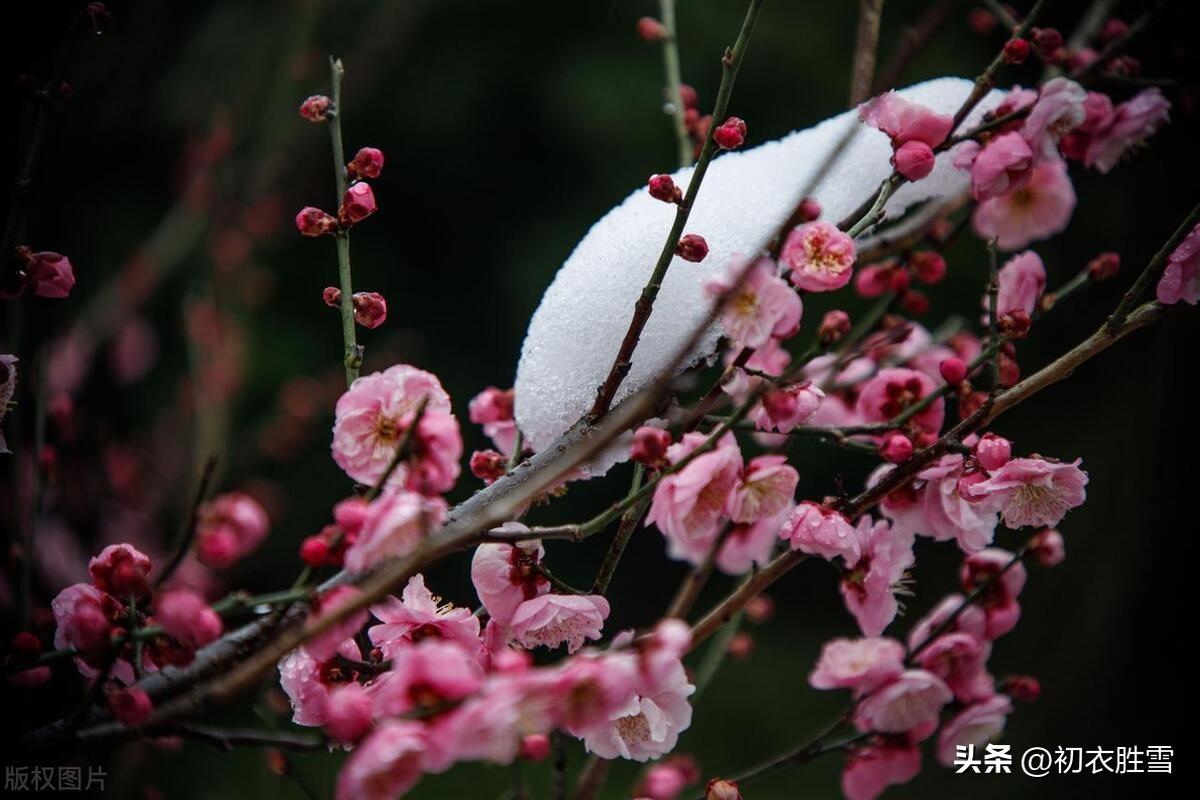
[(197, 326)]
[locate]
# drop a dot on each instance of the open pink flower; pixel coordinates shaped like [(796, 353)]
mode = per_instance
[(766, 488), (820, 256), (763, 307), (493, 409), (905, 121), (858, 664), (782, 408), (894, 390), (229, 528), (81, 618), (1021, 280), (425, 677), (368, 418), (506, 575), (121, 570), (909, 703), (324, 645), (1037, 210), (943, 514), (1000, 607), (688, 505), (385, 765), (1034, 491), (551, 620), (1181, 279), (1131, 123), (823, 532), (886, 761), (960, 660), (184, 615), (748, 544), (419, 615), (393, 526), (868, 588), (1000, 167), (1058, 110), (648, 724), (590, 691), (971, 620), (307, 681), (976, 725), (348, 712)]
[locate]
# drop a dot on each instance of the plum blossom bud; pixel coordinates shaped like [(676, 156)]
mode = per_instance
[(896, 448), (314, 222), (348, 712), (535, 747), (488, 465), (25, 644), (1015, 323), (315, 108), (688, 95), (721, 789), (47, 274), (913, 159), (953, 369), (872, 280), (131, 706), (928, 266), (1104, 266), (332, 296), (651, 30), (809, 209), (663, 188), (1047, 41), (741, 646), (914, 302), (650, 446), (730, 134), (185, 616), (1113, 29), (370, 309), (1016, 51), (121, 570), (1048, 548), (760, 608), (993, 452), (358, 203), (367, 163), (692, 247), (981, 21), (314, 551), (1022, 688), (966, 482), (834, 325)]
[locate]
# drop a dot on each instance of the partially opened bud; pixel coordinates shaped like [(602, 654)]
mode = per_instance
[(370, 309), (131, 706), (692, 247), (914, 160), (314, 222), (731, 134), (315, 108), (357, 204), (367, 163), (332, 296), (834, 325), (721, 789), (663, 188)]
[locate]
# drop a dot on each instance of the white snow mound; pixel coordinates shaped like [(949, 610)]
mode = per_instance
[(747, 195)]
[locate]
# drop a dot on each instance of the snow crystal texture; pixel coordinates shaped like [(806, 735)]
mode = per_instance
[(747, 195)]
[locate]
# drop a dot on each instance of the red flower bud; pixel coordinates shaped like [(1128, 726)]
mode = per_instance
[(357, 204), (131, 706), (314, 551), (1015, 323), (688, 96), (928, 266), (809, 209), (1047, 41), (314, 222), (316, 108), (332, 296), (953, 369), (760, 608), (370, 309), (914, 160), (651, 30), (534, 747), (1022, 688), (914, 302), (1113, 28), (731, 134), (367, 163), (662, 187), (692, 247), (488, 465), (1104, 266), (650, 446), (1016, 51), (896, 448), (26, 644), (721, 789), (834, 325)]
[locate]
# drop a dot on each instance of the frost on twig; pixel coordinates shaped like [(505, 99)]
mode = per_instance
[(748, 196)]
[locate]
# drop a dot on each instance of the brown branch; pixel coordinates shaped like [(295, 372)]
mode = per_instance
[(914, 39), (866, 50)]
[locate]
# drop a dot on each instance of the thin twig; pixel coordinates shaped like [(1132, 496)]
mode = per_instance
[(674, 94), (187, 526), (1152, 271), (866, 50), (352, 355), (228, 738)]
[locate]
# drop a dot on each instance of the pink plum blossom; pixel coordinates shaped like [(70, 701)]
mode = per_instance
[(505, 576), (941, 512), (764, 306), (1000, 167), (386, 765), (1048, 548), (782, 408), (493, 409), (419, 615), (861, 665), (976, 725), (894, 390), (648, 724), (1131, 123), (307, 682), (348, 712), (960, 660), (868, 586), (905, 121), (393, 526), (550, 620), (914, 160), (49, 274), (121, 570), (819, 256), (886, 761), (752, 543), (325, 644), (368, 418), (688, 505), (495, 724), (1058, 110), (1000, 607), (426, 676), (185, 616), (229, 528), (591, 691), (1036, 210), (970, 620), (1181, 279), (1021, 282), (765, 489), (81, 618), (823, 532), (909, 703), (1034, 491)]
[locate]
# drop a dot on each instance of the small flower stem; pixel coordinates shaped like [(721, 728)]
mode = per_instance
[(1102, 58), (670, 48), (629, 523), (914, 39), (866, 50), (187, 526), (642, 309), (352, 356)]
